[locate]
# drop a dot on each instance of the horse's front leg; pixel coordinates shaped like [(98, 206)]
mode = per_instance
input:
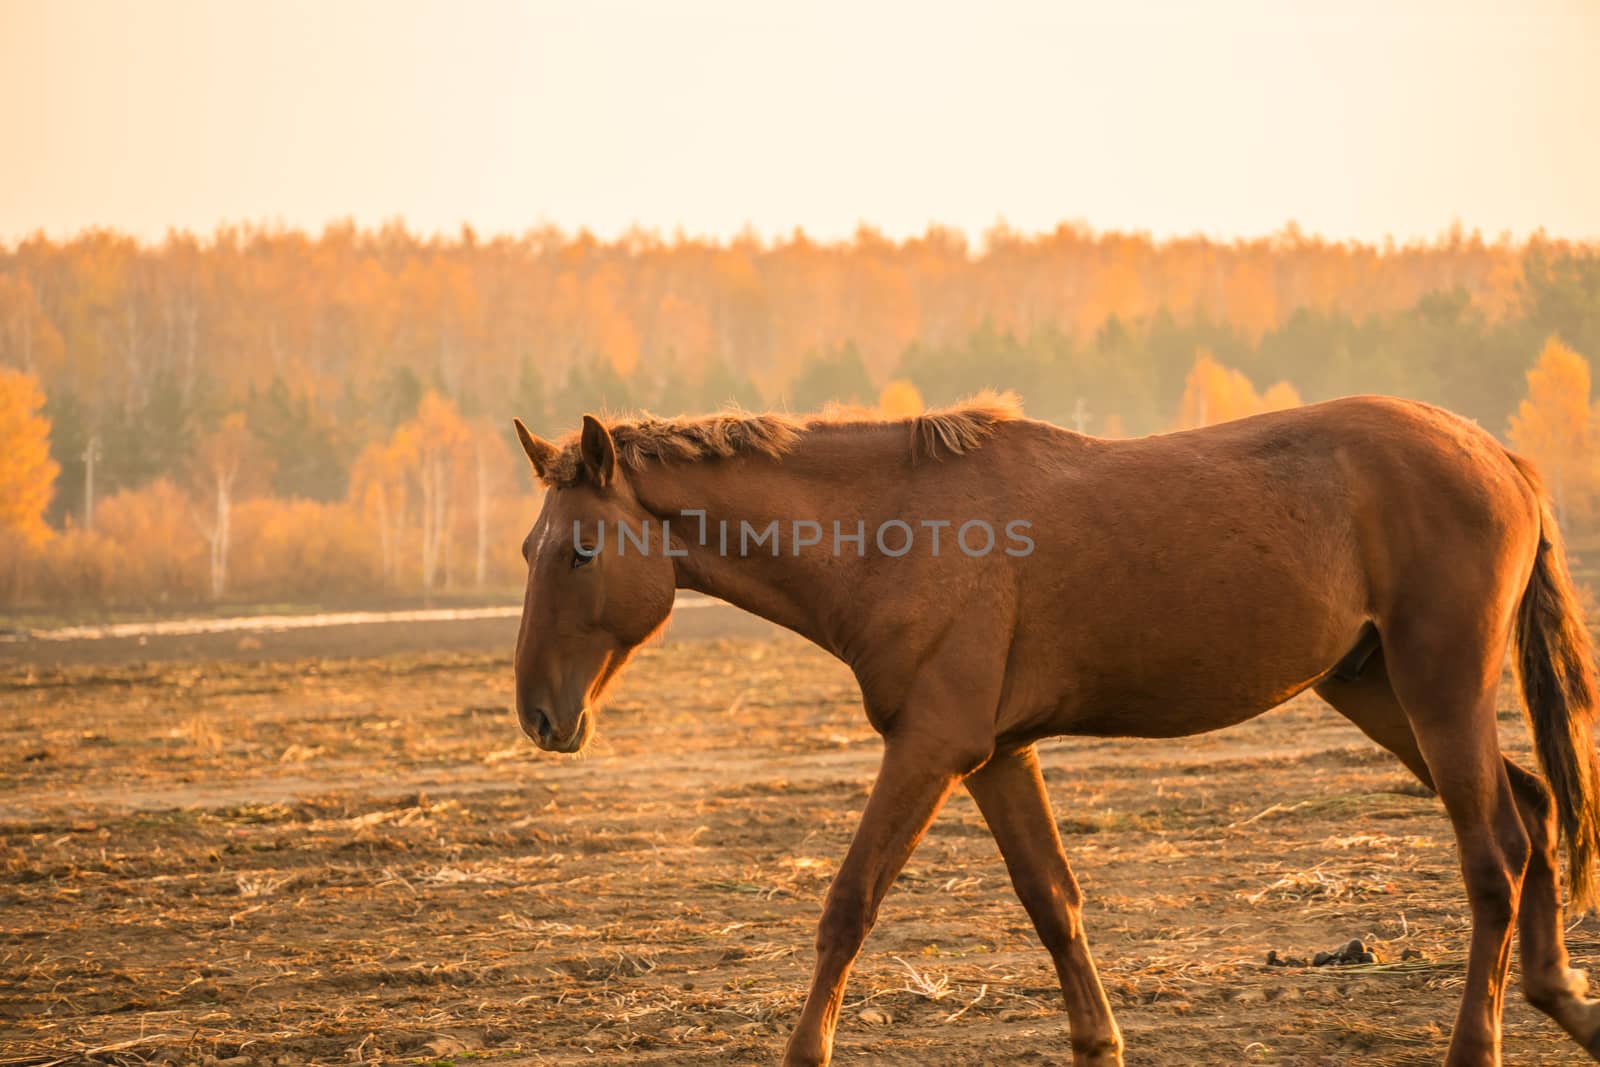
[(917, 774), (1010, 792)]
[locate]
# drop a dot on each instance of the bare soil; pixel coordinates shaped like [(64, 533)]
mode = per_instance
[(361, 860)]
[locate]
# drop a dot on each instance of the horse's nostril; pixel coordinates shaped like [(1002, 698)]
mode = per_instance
[(541, 724)]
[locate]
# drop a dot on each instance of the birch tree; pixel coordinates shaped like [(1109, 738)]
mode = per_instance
[(224, 461)]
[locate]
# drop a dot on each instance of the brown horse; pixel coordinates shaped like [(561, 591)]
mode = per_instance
[(993, 580)]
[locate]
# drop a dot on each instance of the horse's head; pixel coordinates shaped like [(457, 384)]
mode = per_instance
[(588, 605)]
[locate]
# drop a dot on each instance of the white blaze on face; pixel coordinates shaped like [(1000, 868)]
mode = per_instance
[(541, 541)]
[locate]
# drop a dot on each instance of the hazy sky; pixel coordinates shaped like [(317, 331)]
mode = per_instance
[(1226, 119)]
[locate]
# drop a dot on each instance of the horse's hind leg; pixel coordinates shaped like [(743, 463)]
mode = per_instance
[(1547, 980), (1010, 792), (1445, 670), (1549, 983)]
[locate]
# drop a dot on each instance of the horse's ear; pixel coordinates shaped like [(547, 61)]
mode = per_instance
[(541, 453), (598, 453)]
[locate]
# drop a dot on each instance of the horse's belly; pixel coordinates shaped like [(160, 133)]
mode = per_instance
[(1179, 714), (1175, 695), (1172, 647)]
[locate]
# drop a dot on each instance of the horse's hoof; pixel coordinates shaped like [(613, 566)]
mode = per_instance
[(801, 1056), (1106, 1053), (1592, 1047)]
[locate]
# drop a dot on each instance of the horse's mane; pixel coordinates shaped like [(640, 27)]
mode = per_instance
[(953, 430)]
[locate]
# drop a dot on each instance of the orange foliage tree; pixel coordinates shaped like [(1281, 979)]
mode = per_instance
[(29, 341), (900, 400), (491, 464), (224, 461), (1554, 427), (434, 448), (27, 473), (303, 548), (380, 494), (1213, 393), (144, 551)]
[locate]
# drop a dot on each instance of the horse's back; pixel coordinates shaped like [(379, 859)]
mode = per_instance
[(1207, 575)]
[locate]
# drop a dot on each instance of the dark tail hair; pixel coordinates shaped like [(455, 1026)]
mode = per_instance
[(1555, 662)]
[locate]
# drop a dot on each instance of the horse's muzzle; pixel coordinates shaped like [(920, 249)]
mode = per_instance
[(540, 727)]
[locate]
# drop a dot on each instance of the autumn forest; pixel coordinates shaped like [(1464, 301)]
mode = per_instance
[(265, 415)]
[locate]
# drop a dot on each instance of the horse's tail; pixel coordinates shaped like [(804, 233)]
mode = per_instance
[(1555, 663)]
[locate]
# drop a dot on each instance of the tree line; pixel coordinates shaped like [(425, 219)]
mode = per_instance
[(329, 409)]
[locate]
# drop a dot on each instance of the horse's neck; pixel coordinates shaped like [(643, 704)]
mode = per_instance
[(716, 509)]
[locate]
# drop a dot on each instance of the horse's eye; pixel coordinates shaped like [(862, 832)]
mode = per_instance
[(581, 558)]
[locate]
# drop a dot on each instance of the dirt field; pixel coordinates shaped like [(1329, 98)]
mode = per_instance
[(361, 860)]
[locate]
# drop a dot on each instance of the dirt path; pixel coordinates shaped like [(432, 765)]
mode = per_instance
[(361, 860)]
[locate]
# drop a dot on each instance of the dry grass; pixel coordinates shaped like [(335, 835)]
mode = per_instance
[(360, 862)]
